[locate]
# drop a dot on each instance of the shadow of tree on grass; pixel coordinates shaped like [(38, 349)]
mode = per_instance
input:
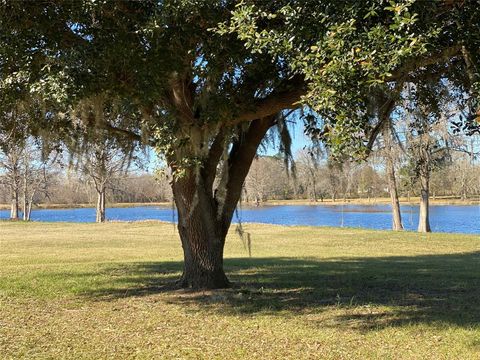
[(430, 288)]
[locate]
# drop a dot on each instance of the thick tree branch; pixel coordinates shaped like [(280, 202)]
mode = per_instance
[(122, 132), (384, 118), (181, 97), (275, 102), (290, 99), (417, 63), (215, 153), (387, 102), (239, 162)]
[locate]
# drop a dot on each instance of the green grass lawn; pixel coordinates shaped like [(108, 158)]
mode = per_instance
[(105, 291)]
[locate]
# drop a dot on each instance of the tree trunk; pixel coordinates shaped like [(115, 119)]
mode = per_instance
[(392, 187), (14, 207), (29, 211), (100, 209), (424, 221), (25, 210), (25, 194), (205, 215), (314, 190), (201, 235), (392, 182)]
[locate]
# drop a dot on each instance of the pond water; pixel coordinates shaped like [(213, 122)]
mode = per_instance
[(443, 218)]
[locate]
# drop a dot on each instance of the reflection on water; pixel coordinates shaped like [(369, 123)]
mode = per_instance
[(451, 218)]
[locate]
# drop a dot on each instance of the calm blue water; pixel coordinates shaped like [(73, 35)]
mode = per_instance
[(458, 219)]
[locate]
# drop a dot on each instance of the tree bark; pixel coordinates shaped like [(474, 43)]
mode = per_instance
[(29, 210), (314, 184), (392, 181), (25, 192), (14, 207), (100, 209), (424, 220), (200, 234), (392, 187)]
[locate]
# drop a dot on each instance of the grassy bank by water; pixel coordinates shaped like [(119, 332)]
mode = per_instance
[(104, 291)]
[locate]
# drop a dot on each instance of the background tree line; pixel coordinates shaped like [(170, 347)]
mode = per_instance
[(316, 179), (322, 180)]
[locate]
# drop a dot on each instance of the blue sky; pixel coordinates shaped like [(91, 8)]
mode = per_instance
[(299, 139)]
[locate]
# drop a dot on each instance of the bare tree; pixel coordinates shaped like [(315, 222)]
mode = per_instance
[(388, 153), (10, 165), (13, 136), (267, 179), (37, 173), (103, 159), (348, 181), (429, 146), (104, 162), (143, 188), (308, 164), (25, 172)]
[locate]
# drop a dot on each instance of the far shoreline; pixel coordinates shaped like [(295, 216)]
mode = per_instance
[(373, 201), (326, 202)]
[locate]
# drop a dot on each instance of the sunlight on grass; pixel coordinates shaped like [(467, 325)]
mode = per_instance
[(105, 291)]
